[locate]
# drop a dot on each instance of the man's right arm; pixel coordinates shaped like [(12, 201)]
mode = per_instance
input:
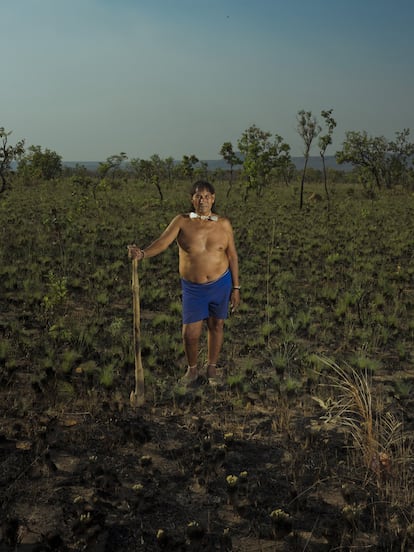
[(160, 244)]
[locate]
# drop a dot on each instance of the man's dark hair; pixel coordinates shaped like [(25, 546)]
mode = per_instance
[(202, 185)]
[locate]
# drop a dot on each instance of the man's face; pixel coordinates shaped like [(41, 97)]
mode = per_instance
[(203, 202)]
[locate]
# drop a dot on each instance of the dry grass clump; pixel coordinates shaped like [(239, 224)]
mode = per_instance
[(380, 442)]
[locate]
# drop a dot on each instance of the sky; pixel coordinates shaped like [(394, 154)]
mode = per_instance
[(93, 78)]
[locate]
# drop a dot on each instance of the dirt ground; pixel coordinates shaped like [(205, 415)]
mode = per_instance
[(211, 469)]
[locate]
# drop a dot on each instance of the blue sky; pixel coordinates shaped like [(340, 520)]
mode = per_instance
[(92, 78)]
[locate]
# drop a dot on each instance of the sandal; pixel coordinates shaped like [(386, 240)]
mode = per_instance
[(214, 379), (190, 377)]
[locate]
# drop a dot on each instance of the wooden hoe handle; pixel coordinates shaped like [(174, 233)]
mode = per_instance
[(137, 397)]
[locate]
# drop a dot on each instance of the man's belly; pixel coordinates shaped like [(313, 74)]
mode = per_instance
[(203, 270)]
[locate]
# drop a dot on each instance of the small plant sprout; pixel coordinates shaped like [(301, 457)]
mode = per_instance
[(232, 481), (206, 443), (279, 362), (85, 518), (117, 327), (364, 363), (402, 388), (351, 513), (279, 515), (282, 522), (243, 482), (292, 385), (162, 536), (194, 530), (107, 376)]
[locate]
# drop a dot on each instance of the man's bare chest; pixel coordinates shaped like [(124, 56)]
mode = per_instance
[(201, 236)]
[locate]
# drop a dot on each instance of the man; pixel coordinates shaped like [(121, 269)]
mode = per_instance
[(209, 270)]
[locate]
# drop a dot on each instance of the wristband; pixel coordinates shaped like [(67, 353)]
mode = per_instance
[(236, 287)]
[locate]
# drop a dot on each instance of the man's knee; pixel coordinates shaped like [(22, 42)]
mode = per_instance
[(215, 324), (191, 332)]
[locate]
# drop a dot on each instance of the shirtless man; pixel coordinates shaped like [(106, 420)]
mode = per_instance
[(208, 266)]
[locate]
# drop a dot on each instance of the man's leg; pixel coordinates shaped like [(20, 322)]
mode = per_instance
[(191, 339), (215, 342)]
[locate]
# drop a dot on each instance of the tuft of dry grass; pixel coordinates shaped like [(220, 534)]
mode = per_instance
[(380, 440)]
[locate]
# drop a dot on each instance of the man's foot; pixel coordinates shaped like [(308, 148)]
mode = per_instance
[(214, 379), (217, 381), (190, 377), (211, 371)]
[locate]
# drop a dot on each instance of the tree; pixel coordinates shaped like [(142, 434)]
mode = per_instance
[(400, 154), (170, 169), (232, 159), (286, 168), (39, 164), (112, 166), (158, 172), (367, 154), (260, 156), (188, 163), (84, 178), (201, 171), (308, 128), (151, 171), (378, 161), (324, 141), (8, 154)]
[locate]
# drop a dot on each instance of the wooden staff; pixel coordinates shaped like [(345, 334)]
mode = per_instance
[(137, 397)]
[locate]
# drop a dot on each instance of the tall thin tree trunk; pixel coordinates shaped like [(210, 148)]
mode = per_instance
[(302, 184), (325, 180)]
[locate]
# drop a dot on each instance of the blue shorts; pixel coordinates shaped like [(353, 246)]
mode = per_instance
[(203, 300)]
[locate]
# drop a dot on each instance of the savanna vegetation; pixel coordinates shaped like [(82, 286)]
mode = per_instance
[(309, 443)]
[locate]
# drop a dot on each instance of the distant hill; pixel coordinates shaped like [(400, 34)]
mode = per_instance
[(315, 162)]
